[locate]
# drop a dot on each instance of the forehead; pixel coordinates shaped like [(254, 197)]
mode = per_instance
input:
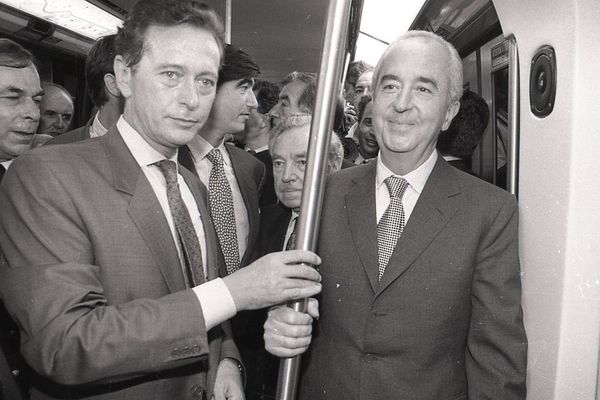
[(54, 95), (416, 58), (292, 142), (25, 79), (292, 90), (183, 44), (364, 78)]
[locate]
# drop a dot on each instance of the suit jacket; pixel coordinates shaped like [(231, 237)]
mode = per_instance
[(94, 280), (268, 196), (250, 175), (445, 322), (75, 135)]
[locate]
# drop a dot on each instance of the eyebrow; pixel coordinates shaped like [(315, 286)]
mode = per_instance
[(18, 90), (422, 79), (246, 81)]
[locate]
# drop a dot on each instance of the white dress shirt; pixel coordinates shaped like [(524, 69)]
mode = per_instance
[(199, 148), (416, 182), (214, 296), (291, 225), (97, 129)]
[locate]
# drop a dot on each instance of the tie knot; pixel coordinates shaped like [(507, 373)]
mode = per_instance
[(169, 170), (396, 186), (215, 157)]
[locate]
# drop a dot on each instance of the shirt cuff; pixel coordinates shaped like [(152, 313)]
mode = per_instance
[(216, 302)]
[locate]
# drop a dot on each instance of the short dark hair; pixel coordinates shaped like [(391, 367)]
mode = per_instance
[(130, 38), (362, 104), (309, 94), (13, 55), (467, 128), (355, 70), (267, 95), (237, 64), (100, 61)]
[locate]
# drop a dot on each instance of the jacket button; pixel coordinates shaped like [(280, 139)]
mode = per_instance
[(198, 391)]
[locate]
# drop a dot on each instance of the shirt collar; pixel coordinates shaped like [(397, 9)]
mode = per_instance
[(200, 148), (7, 163), (416, 178), (259, 149), (97, 129), (143, 153)]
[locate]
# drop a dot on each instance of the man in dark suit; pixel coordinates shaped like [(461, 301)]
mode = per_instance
[(288, 146), (255, 136), (421, 291), (111, 270), (102, 88), (244, 174)]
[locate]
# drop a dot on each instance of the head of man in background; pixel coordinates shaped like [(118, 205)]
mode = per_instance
[(56, 110), (235, 99), (255, 135), (297, 96), (20, 96), (362, 87), (355, 70), (102, 85), (288, 146)]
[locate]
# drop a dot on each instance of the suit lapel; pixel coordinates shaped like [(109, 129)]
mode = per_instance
[(241, 166), (184, 157), (437, 204), (360, 211), (144, 209)]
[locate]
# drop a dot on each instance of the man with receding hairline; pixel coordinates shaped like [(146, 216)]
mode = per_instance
[(421, 291)]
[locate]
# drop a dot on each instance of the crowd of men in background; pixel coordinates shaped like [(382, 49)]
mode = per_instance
[(141, 252)]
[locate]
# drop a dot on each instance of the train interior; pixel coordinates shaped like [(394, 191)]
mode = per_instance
[(535, 64)]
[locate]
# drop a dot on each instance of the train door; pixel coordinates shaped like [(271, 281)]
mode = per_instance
[(497, 156)]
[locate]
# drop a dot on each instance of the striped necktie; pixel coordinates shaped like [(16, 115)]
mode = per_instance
[(192, 252)]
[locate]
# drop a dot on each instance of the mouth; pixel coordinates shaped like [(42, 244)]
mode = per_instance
[(24, 133), (185, 122)]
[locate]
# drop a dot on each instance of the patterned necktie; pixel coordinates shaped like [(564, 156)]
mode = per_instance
[(391, 224), (291, 243), (222, 212), (192, 253)]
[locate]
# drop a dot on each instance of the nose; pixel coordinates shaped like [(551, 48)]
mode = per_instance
[(188, 95), (290, 173), (274, 111), (31, 110), (403, 100), (251, 101), (62, 123)]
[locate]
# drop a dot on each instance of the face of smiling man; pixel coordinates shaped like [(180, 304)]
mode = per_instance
[(411, 103)]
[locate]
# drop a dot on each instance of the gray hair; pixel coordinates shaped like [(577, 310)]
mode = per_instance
[(455, 69), (336, 150)]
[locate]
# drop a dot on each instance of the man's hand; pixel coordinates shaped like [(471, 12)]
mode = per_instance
[(288, 332), (228, 383), (350, 116), (274, 279)]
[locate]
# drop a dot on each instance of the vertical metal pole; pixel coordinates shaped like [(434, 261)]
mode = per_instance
[(330, 72), (228, 21), (512, 171)]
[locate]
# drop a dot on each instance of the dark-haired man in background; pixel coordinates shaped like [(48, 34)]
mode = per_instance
[(112, 270), (102, 88), (233, 177)]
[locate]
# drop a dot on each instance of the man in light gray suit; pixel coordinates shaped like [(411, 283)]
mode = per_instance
[(111, 270), (421, 291)]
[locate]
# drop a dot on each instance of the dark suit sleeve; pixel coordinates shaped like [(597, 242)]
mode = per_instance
[(496, 356), (52, 285)]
